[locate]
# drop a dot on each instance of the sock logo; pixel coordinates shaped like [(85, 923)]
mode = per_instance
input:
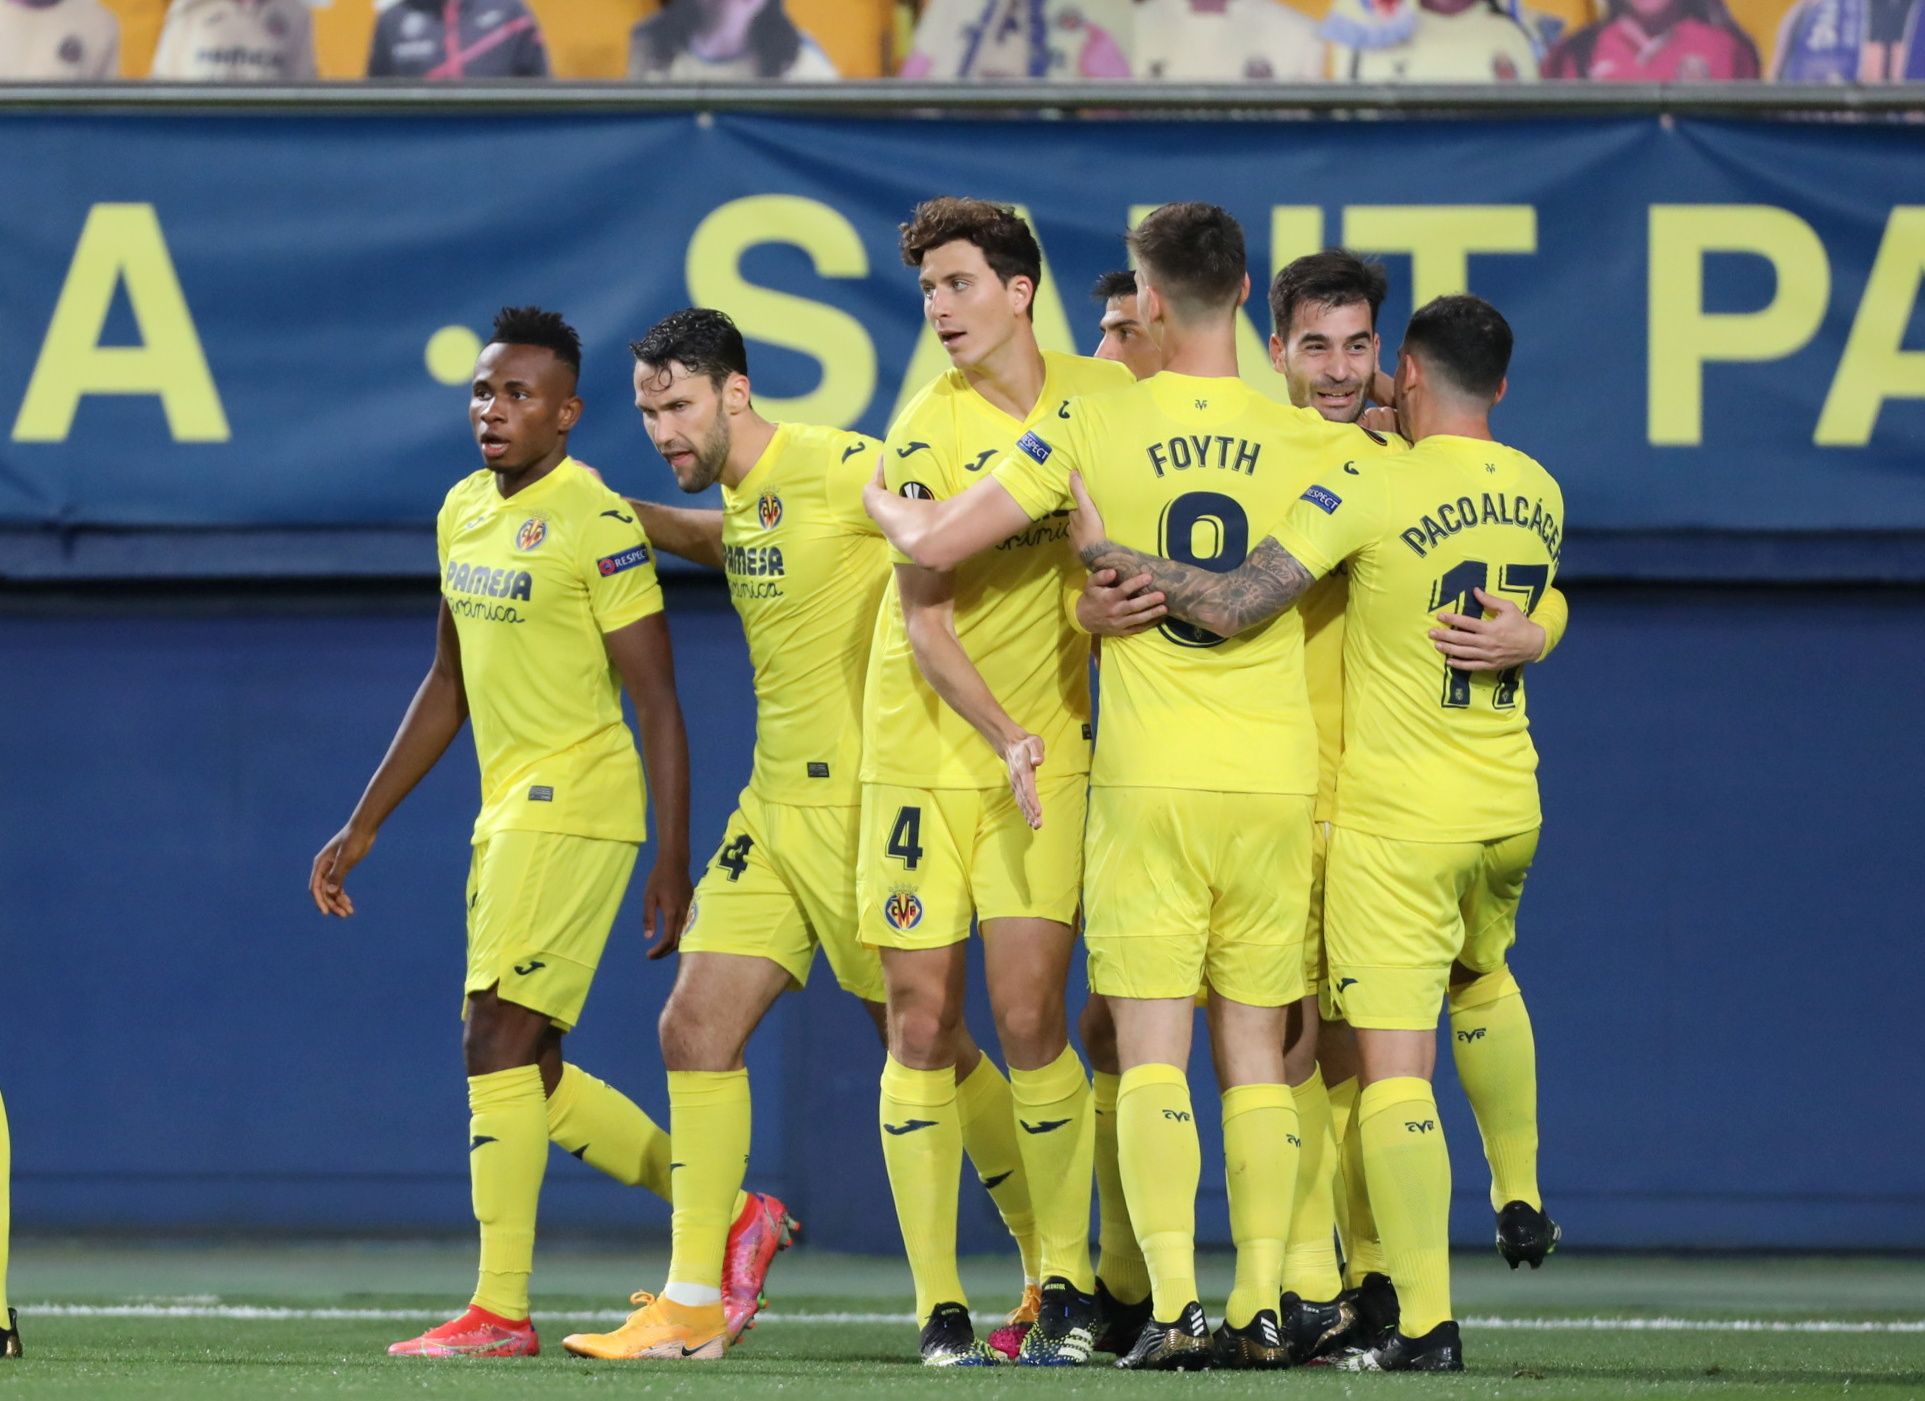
[(1293, 1140), (990, 1184), (478, 1140), (1419, 1125), (898, 1130), (1476, 1033), (1177, 1116), (1046, 1126), (530, 966)]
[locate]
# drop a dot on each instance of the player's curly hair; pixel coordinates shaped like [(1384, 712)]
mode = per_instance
[(530, 325), (1006, 242), (1333, 278), (1121, 283), (1193, 253), (700, 339), (1466, 339)]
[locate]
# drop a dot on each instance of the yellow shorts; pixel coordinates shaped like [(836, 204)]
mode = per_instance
[(782, 883), (1399, 913), (1192, 888), (540, 905), (932, 857)]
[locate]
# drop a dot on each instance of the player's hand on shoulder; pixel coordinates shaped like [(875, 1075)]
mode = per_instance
[(332, 863), (665, 901), (1109, 607), (1379, 419), (1504, 637), (876, 486), (1023, 753)]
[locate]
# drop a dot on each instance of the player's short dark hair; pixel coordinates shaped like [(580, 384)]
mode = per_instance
[(1121, 283), (530, 325), (1193, 253), (1464, 338), (1006, 242), (700, 339), (1333, 278)]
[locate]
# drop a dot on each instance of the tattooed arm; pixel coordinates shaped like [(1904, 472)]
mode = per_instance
[(1264, 585)]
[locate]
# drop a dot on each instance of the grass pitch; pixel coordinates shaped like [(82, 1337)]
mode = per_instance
[(182, 1321)]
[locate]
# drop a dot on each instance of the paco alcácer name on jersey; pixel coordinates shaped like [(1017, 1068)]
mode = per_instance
[(1493, 508)]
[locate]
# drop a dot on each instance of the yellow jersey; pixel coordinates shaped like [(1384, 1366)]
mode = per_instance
[(1321, 609), (1009, 609), (806, 569), (1431, 753), (1195, 470), (534, 580)]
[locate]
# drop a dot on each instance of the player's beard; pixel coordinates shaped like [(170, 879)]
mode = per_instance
[(711, 457)]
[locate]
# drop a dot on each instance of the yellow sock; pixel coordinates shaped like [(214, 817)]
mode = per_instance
[(989, 1137), (1261, 1144), (1363, 1251), (1343, 1103), (596, 1122), (708, 1117), (6, 1201), (1120, 1266), (507, 1154), (1490, 1037), (1310, 1258), (1409, 1170), (922, 1148), (1058, 1146), (1161, 1163)]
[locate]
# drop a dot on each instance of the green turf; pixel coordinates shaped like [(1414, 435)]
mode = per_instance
[(225, 1357)]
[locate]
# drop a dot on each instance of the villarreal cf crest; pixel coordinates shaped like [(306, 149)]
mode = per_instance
[(533, 531), (769, 508), (903, 909)]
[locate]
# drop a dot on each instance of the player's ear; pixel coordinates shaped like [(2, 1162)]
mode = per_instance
[(1276, 352), (1243, 296), (1022, 294), (571, 413), (1502, 385), (735, 393)]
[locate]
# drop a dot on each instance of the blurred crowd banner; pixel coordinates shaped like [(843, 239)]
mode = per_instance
[(265, 321)]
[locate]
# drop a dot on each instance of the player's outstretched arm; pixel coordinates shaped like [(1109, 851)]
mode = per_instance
[(687, 532), (434, 718), (642, 655), (1505, 636), (942, 534), (1269, 581), (929, 617)]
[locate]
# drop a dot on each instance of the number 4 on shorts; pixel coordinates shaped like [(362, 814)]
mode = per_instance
[(905, 838)]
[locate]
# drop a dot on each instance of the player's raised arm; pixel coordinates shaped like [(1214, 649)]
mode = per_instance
[(942, 534), (687, 532), (1269, 581), (928, 615), (434, 718), (646, 663)]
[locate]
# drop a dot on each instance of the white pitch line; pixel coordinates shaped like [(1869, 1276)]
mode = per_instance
[(245, 1313)]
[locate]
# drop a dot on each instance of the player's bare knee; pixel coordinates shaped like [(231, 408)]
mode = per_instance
[(923, 1034), (1096, 1029), (691, 1042), (500, 1035), (1033, 1031)]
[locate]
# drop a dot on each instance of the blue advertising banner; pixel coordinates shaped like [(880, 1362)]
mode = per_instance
[(267, 321)]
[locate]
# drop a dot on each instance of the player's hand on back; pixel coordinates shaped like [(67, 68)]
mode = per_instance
[(665, 902), (1024, 755), (1086, 529), (1108, 607), (1505, 637), (331, 866)]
